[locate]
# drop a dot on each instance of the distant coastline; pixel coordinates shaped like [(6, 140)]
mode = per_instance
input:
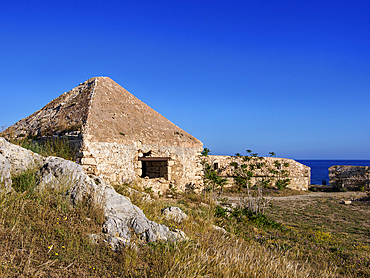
[(319, 168)]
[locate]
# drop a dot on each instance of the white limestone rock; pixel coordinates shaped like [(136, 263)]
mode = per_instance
[(219, 229), (19, 158), (175, 214), (122, 217), (178, 235), (5, 178)]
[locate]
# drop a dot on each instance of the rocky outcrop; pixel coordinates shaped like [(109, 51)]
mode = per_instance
[(5, 169), (350, 177), (14, 160), (123, 219), (19, 158)]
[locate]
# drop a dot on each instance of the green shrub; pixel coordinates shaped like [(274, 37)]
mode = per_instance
[(220, 212), (25, 181), (49, 147)]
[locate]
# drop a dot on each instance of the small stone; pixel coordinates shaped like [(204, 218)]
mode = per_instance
[(219, 229), (178, 235), (175, 214)]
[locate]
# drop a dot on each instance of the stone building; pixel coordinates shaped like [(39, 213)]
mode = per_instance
[(117, 137)]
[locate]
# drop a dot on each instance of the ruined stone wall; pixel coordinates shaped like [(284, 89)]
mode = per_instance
[(299, 174), (350, 177), (119, 163)]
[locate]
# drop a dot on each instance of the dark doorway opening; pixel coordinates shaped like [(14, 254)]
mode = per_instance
[(143, 169)]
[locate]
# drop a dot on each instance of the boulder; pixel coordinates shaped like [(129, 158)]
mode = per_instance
[(122, 217), (175, 214), (19, 158), (5, 169)]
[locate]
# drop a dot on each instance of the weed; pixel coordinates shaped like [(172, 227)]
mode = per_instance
[(48, 147), (220, 212), (25, 181)]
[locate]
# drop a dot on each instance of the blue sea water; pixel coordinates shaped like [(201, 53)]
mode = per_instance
[(319, 168)]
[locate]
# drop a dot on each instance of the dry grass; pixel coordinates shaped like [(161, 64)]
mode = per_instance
[(324, 230), (211, 253), (44, 236)]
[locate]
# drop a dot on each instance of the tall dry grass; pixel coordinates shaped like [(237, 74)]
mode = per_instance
[(212, 253), (43, 235)]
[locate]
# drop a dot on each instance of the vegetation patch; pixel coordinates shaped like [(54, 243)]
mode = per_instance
[(48, 147), (323, 230), (25, 182)]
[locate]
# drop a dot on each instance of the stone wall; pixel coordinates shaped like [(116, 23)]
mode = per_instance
[(119, 163), (299, 174), (350, 177)]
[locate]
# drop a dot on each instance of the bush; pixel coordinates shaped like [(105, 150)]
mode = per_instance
[(49, 147), (25, 181)]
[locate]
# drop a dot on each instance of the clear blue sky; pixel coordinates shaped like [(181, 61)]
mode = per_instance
[(291, 77)]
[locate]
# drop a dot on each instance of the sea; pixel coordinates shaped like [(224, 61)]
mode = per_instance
[(319, 168)]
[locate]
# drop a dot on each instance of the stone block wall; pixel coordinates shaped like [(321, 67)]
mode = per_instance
[(119, 163), (299, 174), (350, 177)]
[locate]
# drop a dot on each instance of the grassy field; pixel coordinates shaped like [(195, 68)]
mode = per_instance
[(314, 228), (325, 229), (44, 236)]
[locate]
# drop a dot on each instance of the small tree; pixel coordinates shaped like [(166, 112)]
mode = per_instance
[(205, 152), (252, 170), (213, 183)]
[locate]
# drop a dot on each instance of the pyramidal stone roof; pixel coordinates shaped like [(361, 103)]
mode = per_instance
[(106, 112)]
